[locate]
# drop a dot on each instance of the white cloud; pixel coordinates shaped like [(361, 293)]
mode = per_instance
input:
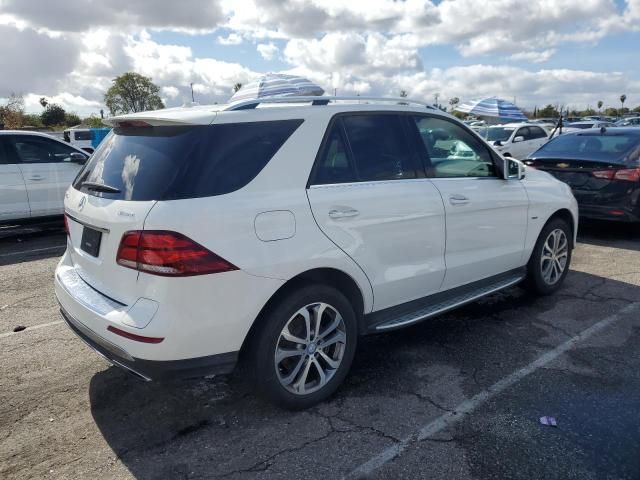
[(268, 51), (231, 39), (534, 56), (80, 15)]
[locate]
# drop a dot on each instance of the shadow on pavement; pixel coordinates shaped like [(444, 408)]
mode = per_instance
[(218, 428), (610, 234)]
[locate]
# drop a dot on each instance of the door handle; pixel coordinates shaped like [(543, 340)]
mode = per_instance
[(344, 213), (457, 199), (36, 177)]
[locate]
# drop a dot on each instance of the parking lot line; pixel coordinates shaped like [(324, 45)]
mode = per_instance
[(468, 406), (28, 329)]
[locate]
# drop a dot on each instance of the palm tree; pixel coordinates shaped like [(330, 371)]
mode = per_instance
[(403, 93), (454, 101), (623, 97), (237, 87), (600, 103)]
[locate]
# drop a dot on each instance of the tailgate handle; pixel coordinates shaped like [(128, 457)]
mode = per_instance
[(343, 213)]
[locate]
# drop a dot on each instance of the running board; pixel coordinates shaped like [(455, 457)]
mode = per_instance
[(433, 305)]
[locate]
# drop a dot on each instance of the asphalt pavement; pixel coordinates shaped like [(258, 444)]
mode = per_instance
[(457, 397)]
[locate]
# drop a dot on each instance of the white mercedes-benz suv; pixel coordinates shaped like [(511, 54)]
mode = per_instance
[(278, 233)]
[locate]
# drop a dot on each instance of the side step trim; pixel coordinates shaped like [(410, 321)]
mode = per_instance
[(442, 302)]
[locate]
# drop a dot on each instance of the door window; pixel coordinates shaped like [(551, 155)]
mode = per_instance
[(376, 150), (537, 132), (380, 149), (524, 133), (453, 151), (334, 164), (32, 149)]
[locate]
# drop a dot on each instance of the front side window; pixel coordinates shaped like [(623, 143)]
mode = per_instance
[(524, 133), (452, 151), (537, 132), (32, 149)]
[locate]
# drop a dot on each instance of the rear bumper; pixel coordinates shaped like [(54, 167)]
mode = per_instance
[(151, 369), (621, 213)]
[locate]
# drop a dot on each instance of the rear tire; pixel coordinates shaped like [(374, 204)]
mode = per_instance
[(551, 258), (304, 347)]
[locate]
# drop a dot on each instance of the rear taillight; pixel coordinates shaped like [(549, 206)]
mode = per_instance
[(626, 174), (169, 254)]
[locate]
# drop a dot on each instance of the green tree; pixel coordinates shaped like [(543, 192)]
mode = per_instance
[(44, 102), (548, 111), (12, 114), (132, 92), (623, 97), (33, 120), (454, 101), (72, 119), (600, 103), (403, 93), (93, 122), (237, 87), (53, 115)]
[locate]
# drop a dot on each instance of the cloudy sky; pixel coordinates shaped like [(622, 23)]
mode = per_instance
[(572, 52)]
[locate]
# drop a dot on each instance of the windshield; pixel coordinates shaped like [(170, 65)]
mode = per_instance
[(499, 133), (612, 148), (170, 163)]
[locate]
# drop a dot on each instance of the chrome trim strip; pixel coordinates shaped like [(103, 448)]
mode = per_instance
[(85, 224), (450, 307)]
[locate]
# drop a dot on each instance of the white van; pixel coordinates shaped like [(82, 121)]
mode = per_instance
[(80, 138)]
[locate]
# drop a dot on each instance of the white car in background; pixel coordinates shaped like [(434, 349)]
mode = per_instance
[(584, 125), (35, 172), (515, 140), (79, 137), (198, 236)]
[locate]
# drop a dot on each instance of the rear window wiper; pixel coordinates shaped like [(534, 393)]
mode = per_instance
[(100, 187)]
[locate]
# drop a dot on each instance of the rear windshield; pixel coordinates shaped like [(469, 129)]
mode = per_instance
[(592, 147), (171, 163)]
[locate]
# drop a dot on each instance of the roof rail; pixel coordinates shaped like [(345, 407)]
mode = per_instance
[(321, 100)]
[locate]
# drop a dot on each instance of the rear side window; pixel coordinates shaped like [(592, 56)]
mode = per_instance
[(364, 148), (35, 149), (82, 135), (172, 163)]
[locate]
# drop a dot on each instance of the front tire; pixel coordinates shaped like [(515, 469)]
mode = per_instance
[(304, 347), (551, 258)]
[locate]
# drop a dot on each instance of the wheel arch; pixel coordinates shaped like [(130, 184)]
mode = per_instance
[(566, 215), (326, 276)]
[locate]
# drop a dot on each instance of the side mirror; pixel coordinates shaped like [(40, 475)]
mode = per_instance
[(498, 143), (78, 158), (513, 169), (519, 138)]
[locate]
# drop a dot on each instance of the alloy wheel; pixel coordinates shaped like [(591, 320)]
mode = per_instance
[(555, 252), (310, 348)]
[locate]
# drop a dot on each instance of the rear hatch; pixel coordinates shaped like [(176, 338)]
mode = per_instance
[(138, 165)]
